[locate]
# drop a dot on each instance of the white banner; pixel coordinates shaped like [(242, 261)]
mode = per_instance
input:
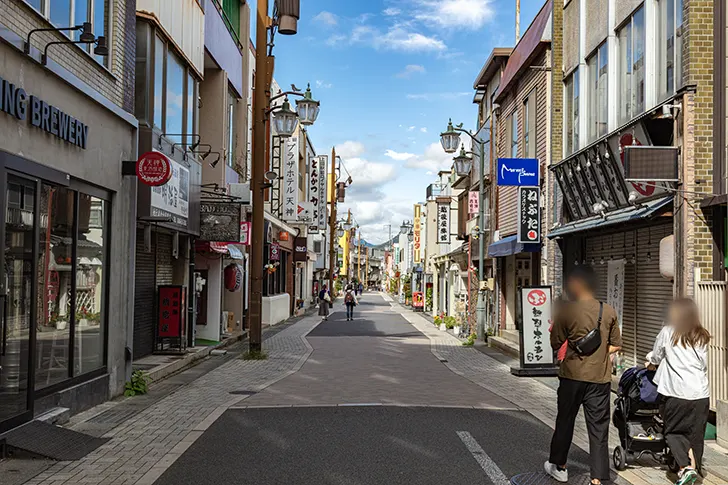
[(173, 198), (289, 189), (615, 287), (443, 223), (313, 193), (323, 176), (536, 306)]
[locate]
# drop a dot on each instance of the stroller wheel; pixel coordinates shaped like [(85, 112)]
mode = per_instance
[(619, 458), (671, 463)]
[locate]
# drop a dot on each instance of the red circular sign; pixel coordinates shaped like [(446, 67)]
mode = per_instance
[(154, 169), (531, 235), (536, 297), (642, 188)]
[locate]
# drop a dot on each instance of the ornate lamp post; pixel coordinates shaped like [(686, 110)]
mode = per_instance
[(450, 140)]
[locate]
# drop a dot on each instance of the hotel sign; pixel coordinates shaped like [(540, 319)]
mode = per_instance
[(19, 104)]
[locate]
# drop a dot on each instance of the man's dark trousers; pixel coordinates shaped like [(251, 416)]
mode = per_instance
[(595, 398)]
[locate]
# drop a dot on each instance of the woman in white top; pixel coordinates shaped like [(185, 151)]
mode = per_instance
[(680, 351)]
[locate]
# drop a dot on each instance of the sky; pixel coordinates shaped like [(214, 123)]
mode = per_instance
[(389, 74)]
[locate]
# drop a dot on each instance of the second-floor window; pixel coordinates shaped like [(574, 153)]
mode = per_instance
[(232, 101), (669, 47), (529, 125), (166, 88), (69, 13), (597, 69), (631, 39), (571, 113)]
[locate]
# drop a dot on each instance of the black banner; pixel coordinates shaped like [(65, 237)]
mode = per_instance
[(529, 215)]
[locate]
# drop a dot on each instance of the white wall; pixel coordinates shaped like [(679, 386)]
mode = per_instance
[(211, 331), (276, 309)]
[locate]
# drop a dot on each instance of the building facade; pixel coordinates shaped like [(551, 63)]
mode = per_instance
[(68, 125)]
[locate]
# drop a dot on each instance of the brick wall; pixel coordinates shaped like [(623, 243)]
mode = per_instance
[(554, 268), (115, 83), (698, 137)]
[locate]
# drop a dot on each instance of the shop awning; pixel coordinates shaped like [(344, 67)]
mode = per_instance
[(510, 246), (643, 211), (220, 248)]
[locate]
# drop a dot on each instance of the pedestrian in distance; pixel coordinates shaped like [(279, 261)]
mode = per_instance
[(324, 302), (361, 288), (591, 329), (680, 355), (350, 301)]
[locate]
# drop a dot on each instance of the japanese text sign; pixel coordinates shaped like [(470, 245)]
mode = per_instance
[(536, 338), (245, 229), (417, 234), (289, 190), (443, 223), (518, 171), (473, 202), (173, 198), (529, 215), (322, 183), (275, 252)]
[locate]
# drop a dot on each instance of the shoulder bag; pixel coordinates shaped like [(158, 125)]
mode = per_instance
[(589, 343)]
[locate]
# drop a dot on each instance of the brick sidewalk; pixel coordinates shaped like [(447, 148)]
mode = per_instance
[(529, 394), (143, 447)]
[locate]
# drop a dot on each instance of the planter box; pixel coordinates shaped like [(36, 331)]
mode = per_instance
[(443, 327)]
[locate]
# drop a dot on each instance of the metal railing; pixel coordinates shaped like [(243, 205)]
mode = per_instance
[(712, 299)]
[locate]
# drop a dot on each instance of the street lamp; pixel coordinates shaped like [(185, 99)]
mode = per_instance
[(285, 120), (307, 108), (463, 163), (450, 139), (411, 236)]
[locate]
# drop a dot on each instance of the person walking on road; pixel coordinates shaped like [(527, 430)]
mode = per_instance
[(680, 355), (591, 329), (361, 288), (350, 301), (324, 302)]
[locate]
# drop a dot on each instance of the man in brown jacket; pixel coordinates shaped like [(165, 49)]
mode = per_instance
[(583, 379)]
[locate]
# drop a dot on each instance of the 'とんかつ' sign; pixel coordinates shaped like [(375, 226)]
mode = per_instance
[(536, 338)]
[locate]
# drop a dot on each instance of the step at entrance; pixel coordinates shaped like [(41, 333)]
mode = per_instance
[(49, 441)]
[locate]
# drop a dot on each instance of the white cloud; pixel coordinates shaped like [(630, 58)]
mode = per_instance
[(434, 159), (350, 149), (411, 128), (397, 38), (400, 156), (336, 40), (411, 69), (368, 174), (323, 85), (391, 12), (326, 18), (469, 14), (423, 129)]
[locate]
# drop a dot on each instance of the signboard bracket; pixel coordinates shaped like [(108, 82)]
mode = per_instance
[(128, 168)]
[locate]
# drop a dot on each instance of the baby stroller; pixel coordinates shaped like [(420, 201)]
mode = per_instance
[(637, 418)]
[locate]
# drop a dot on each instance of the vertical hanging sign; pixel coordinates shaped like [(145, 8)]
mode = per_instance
[(473, 202), (290, 180), (615, 287), (529, 215), (314, 196), (417, 232), (322, 178), (443, 221)]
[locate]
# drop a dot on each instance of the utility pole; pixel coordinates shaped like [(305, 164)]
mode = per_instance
[(518, 20), (366, 272), (263, 69), (333, 259)]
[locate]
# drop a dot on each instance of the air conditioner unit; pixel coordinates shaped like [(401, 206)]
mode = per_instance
[(240, 191)]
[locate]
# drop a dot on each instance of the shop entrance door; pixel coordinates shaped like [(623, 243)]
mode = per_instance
[(19, 241)]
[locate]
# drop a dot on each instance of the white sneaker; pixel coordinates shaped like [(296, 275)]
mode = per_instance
[(555, 473)]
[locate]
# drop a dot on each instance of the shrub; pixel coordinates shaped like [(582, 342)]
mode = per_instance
[(438, 320), (450, 322), (139, 384), (471, 340)]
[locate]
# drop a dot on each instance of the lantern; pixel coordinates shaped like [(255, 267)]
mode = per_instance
[(285, 120), (307, 108), (463, 163), (450, 139), (233, 276)]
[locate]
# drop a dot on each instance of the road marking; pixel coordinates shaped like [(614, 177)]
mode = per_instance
[(486, 463)]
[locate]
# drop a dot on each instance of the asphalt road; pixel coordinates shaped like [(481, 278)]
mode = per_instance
[(372, 405)]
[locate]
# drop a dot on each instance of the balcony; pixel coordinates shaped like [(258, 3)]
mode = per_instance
[(433, 190)]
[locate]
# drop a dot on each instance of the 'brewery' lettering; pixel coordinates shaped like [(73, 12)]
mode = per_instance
[(15, 102)]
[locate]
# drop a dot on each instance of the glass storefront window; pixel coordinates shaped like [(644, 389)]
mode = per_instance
[(55, 272), (90, 263), (158, 82)]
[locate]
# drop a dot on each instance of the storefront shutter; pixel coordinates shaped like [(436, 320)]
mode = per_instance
[(599, 251), (654, 292)]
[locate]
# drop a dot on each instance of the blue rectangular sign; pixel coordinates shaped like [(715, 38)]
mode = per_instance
[(518, 171)]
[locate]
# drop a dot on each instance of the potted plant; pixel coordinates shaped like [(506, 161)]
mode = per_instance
[(438, 320), (449, 322), (58, 321), (82, 317)]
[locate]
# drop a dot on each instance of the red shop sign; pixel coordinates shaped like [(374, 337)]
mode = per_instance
[(154, 169)]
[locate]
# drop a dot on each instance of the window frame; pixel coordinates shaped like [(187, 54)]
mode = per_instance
[(512, 134), (634, 109), (530, 122), (597, 104), (664, 91), (571, 112), (188, 74)]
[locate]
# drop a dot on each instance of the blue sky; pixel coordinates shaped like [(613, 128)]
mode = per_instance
[(389, 74)]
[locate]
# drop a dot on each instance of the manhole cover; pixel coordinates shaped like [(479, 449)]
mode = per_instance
[(243, 393)]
